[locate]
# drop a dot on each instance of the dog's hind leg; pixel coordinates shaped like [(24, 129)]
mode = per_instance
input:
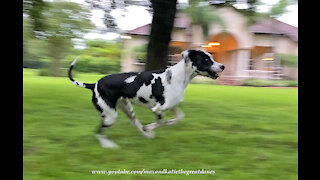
[(125, 105), (109, 116)]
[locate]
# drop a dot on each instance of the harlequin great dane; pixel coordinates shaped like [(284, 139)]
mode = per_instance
[(159, 90)]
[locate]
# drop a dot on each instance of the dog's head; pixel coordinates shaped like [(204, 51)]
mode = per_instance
[(203, 63)]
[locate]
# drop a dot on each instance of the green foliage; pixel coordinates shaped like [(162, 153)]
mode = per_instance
[(141, 53), (279, 8), (252, 14), (289, 60), (103, 49), (67, 20), (99, 56), (101, 65), (48, 30), (203, 81), (35, 64), (33, 49), (46, 72), (35, 9), (269, 83), (203, 16), (292, 83), (275, 11)]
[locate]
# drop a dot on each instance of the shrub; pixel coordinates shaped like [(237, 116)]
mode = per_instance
[(141, 53), (33, 64), (100, 57), (289, 60), (101, 65), (269, 83), (257, 83), (46, 72), (203, 81), (292, 83), (43, 72)]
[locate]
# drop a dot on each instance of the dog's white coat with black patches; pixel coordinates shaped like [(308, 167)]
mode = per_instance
[(159, 91), (130, 79), (109, 114)]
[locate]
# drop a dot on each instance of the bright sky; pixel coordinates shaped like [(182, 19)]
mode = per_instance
[(138, 16)]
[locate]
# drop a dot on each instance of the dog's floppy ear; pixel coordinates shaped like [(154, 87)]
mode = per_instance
[(185, 55)]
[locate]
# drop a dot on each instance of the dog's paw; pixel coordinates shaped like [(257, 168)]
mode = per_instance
[(155, 109), (105, 142), (149, 134), (148, 127)]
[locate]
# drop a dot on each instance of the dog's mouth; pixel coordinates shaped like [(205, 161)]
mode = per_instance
[(209, 74), (213, 75)]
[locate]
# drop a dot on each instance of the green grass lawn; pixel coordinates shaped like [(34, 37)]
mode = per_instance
[(239, 132)]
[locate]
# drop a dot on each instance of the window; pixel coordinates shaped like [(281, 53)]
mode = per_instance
[(251, 67)]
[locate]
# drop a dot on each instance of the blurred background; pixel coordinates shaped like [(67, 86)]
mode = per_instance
[(257, 41), (254, 39)]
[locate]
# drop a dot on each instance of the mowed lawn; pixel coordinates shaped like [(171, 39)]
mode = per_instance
[(239, 132)]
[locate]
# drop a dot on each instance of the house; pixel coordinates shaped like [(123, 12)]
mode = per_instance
[(246, 51)]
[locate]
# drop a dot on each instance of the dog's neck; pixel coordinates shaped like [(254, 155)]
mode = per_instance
[(183, 72)]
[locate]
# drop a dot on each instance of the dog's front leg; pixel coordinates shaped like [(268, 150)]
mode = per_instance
[(125, 105), (156, 108), (156, 124), (178, 116), (178, 113)]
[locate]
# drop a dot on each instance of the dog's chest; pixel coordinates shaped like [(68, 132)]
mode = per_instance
[(163, 93)]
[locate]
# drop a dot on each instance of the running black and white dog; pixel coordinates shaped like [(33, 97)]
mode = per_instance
[(159, 90)]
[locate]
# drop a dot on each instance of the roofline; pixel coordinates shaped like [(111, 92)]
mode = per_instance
[(129, 32), (281, 34)]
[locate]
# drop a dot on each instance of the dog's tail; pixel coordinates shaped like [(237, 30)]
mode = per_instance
[(80, 84)]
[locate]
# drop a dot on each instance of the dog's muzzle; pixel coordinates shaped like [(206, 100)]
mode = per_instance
[(215, 76), (211, 74)]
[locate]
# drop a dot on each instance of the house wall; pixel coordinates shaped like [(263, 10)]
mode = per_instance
[(281, 44), (262, 40), (290, 73), (197, 38), (287, 46), (236, 60), (180, 34), (257, 62), (236, 25), (129, 62)]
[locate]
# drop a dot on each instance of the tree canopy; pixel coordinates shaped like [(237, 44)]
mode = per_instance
[(54, 24)]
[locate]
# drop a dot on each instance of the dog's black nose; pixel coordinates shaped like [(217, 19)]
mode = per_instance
[(222, 67)]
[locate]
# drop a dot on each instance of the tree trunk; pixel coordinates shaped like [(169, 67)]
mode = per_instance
[(58, 48), (162, 24), (55, 67)]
